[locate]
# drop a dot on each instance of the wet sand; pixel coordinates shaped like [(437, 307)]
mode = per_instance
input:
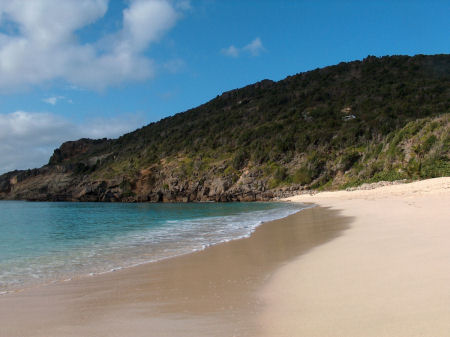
[(215, 292), (387, 275)]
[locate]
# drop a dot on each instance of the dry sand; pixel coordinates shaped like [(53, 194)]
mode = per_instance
[(388, 275)]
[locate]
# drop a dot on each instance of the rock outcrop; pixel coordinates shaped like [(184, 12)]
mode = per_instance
[(47, 184)]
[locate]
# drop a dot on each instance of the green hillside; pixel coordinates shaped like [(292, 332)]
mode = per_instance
[(363, 121)]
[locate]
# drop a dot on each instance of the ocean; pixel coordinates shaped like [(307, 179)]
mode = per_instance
[(44, 242)]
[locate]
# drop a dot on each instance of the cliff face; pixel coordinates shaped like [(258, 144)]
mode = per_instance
[(156, 183), (364, 121)]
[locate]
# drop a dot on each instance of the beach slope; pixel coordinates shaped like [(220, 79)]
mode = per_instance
[(387, 275)]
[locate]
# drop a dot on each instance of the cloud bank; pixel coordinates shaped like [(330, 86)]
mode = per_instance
[(27, 139), (254, 48), (38, 42)]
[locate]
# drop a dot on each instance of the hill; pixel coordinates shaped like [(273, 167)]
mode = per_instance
[(364, 121)]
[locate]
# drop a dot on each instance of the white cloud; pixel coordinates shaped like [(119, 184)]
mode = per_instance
[(51, 100), (254, 48), (54, 99), (27, 139), (231, 51), (45, 46)]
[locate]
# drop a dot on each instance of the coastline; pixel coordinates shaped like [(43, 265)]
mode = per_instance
[(160, 237), (206, 293), (387, 275), (361, 263)]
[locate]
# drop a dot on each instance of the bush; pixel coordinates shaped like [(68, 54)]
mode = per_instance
[(280, 174), (348, 160), (240, 159), (435, 168), (429, 142), (302, 176)]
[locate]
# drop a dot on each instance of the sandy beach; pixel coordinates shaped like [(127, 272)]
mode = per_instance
[(388, 275), (214, 292), (363, 263)]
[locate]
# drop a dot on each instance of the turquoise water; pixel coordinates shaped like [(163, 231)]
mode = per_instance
[(43, 242)]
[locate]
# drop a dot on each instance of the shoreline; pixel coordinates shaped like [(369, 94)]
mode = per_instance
[(387, 275), (204, 293), (30, 285)]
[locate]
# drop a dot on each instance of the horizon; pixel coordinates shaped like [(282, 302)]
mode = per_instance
[(115, 66)]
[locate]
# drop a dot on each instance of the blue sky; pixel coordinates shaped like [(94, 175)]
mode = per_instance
[(98, 68)]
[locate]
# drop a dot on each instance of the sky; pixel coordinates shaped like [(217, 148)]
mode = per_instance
[(97, 68)]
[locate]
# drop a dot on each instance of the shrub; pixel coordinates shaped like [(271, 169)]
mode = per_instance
[(348, 160), (302, 176), (240, 159), (280, 174)]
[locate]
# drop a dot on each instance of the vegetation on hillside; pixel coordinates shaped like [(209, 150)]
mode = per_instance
[(378, 119), (323, 116)]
